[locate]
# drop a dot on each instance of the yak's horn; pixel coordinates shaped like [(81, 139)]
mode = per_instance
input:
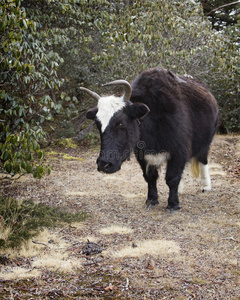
[(126, 85), (94, 95)]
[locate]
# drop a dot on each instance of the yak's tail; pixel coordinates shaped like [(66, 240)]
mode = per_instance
[(195, 167)]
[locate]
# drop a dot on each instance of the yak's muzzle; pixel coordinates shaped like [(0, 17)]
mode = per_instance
[(107, 167)]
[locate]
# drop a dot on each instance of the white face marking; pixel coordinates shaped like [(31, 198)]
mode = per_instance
[(107, 107), (156, 159), (205, 178)]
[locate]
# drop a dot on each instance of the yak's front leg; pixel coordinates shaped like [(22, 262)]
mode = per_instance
[(173, 177), (151, 176)]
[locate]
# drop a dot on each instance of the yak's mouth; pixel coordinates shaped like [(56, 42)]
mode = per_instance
[(112, 162), (108, 167)]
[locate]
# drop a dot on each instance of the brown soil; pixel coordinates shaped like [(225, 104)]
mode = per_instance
[(147, 254)]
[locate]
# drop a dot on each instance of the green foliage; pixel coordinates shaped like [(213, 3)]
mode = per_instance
[(125, 39), (20, 153), (225, 80), (225, 19), (106, 40), (23, 220), (93, 138), (28, 78)]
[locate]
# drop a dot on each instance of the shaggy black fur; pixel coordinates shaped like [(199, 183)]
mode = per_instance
[(182, 121)]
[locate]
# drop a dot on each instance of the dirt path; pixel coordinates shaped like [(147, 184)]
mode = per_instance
[(147, 254)]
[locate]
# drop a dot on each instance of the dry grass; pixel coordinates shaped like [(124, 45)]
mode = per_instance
[(150, 247), (57, 262), (28, 248), (116, 229), (16, 273), (48, 251), (192, 254)]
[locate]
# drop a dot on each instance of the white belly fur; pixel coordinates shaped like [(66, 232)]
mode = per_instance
[(156, 160)]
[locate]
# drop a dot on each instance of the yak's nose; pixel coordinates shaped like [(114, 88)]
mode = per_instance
[(103, 166)]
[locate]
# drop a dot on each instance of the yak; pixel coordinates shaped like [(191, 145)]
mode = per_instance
[(161, 117)]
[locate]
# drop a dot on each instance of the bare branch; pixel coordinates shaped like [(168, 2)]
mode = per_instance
[(225, 5), (39, 243), (12, 178)]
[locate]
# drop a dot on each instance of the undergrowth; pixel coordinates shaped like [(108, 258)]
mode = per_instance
[(22, 220)]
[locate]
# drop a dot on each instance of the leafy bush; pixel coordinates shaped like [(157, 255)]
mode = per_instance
[(28, 80), (224, 77), (20, 221), (107, 40)]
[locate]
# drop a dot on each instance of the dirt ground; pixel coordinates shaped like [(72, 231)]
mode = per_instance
[(143, 254)]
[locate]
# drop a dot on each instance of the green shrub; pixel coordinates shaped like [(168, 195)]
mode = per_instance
[(21, 220)]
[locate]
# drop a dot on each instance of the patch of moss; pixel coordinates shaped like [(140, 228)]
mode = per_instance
[(69, 157), (54, 155), (21, 221), (66, 143)]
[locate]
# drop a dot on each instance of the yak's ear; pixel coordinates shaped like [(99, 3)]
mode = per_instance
[(138, 110), (91, 113)]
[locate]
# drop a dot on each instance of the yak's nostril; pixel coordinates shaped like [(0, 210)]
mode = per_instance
[(103, 166), (107, 166)]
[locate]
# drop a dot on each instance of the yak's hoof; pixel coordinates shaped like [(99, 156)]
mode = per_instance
[(205, 189), (171, 209), (150, 204)]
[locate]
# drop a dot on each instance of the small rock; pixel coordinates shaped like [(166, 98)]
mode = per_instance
[(91, 248)]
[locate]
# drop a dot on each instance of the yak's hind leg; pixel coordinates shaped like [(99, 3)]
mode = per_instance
[(205, 178), (182, 183), (204, 171)]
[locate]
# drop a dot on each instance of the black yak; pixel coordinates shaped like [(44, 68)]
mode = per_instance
[(161, 117)]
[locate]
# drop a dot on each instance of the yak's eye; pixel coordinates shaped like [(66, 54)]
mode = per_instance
[(120, 125)]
